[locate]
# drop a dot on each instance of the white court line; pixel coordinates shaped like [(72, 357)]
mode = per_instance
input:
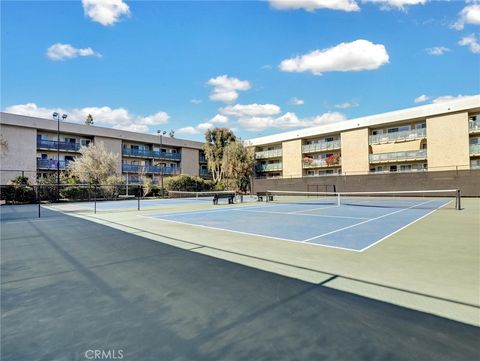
[(360, 223), (314, 209), (398, 230), (297, 214), (253, 234)]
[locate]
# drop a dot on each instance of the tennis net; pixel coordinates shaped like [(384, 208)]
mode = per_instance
[(425, 199), (205, 195)]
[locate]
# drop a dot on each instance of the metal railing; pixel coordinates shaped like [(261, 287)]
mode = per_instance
[(475, 164), (322, 175), (268, 167), (396, 156), (53, 144), (134, 168), (474, 149), (318, 147), (411, 170), (398, 136), (51, 164), (151, 154), (320, 163), (474, 126), (268, 154)]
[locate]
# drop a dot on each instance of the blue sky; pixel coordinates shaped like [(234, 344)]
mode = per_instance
[(257, 67)]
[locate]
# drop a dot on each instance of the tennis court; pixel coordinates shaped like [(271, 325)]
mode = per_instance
[(354, 223)]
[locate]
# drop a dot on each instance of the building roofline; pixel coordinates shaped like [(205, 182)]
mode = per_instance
[(424, 111), (92, 130)]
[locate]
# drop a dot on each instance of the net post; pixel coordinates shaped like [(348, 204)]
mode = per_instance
[(458, 200), (267, 196), (338, 200)]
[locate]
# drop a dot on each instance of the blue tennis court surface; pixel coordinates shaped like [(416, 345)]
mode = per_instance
[(353, 227)]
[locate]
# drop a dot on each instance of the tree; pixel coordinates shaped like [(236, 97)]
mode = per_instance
[(171, 134), (89, 119), (94, 165), (216, 142), (240, 165)]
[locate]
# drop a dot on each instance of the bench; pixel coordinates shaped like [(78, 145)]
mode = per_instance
[(261, 195), (229, 196)]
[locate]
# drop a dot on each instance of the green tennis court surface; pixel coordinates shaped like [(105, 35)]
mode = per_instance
[(160, 290)]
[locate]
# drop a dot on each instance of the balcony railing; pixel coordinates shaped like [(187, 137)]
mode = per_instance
[(412, 170), (320, 163), (274, 153), (134, 168), (475, 164), (53, 144), (51, 164), (146, 153), (205, 172), (474, 149), (398, 156), (474, 126), (318, 147), (398, 136), (268, 167)]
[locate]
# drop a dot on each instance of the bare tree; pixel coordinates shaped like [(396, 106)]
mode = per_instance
[(215, 148), (94, 165)]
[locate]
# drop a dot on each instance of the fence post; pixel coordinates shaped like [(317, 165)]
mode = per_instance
[(138, 197), (459, 199), (95, 199), (38, 199)]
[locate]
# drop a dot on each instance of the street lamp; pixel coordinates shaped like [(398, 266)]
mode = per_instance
[(56, 116), (161, 134)]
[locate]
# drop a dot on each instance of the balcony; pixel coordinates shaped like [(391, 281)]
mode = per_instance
[(54, 145), (321, 163), (268, 167), (320, 147), (273, 153), (146, 153), (51, 164), (475, 164), (205, 172), (398, 156), (154, 169), (474, 127), (402, 136), (475, 149), (412, 170)]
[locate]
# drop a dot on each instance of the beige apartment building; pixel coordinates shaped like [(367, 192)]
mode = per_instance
[(32, 150), (434, 137)]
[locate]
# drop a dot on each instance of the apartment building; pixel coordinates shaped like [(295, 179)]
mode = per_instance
[(32, 150), (434, 137)]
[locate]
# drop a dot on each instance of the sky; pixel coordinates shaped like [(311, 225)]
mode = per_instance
[(257, 67)]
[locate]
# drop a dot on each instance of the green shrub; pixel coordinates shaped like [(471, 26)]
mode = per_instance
[(188, 183)]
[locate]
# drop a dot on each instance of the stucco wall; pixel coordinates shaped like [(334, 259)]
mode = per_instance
[(355, 151), (447, 142), (20, 154), (113, 145), (292, 158), (190, 164)]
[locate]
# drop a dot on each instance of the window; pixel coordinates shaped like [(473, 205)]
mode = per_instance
[(329, 139), (405, 168), (85, 142), (70, 140), (474, 141), (421, 126), (393, 168)]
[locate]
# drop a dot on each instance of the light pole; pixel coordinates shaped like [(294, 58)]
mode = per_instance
[(56, 116), (161, 134)]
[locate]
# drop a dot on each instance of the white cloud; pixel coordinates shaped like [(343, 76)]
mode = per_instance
[(355, 56), (196, 101), (203, 127), (117, 118), (437, 50), (447, 98), (422, 98), (226, 89), (346, 105), (312, 5), (288, 120), (472, 43), (469, 15), (395, 4), (251, 110), (296, 101), (61, 51), (105, 12)]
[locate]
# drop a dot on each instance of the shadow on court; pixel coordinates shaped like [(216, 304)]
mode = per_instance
[(69, 286)]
